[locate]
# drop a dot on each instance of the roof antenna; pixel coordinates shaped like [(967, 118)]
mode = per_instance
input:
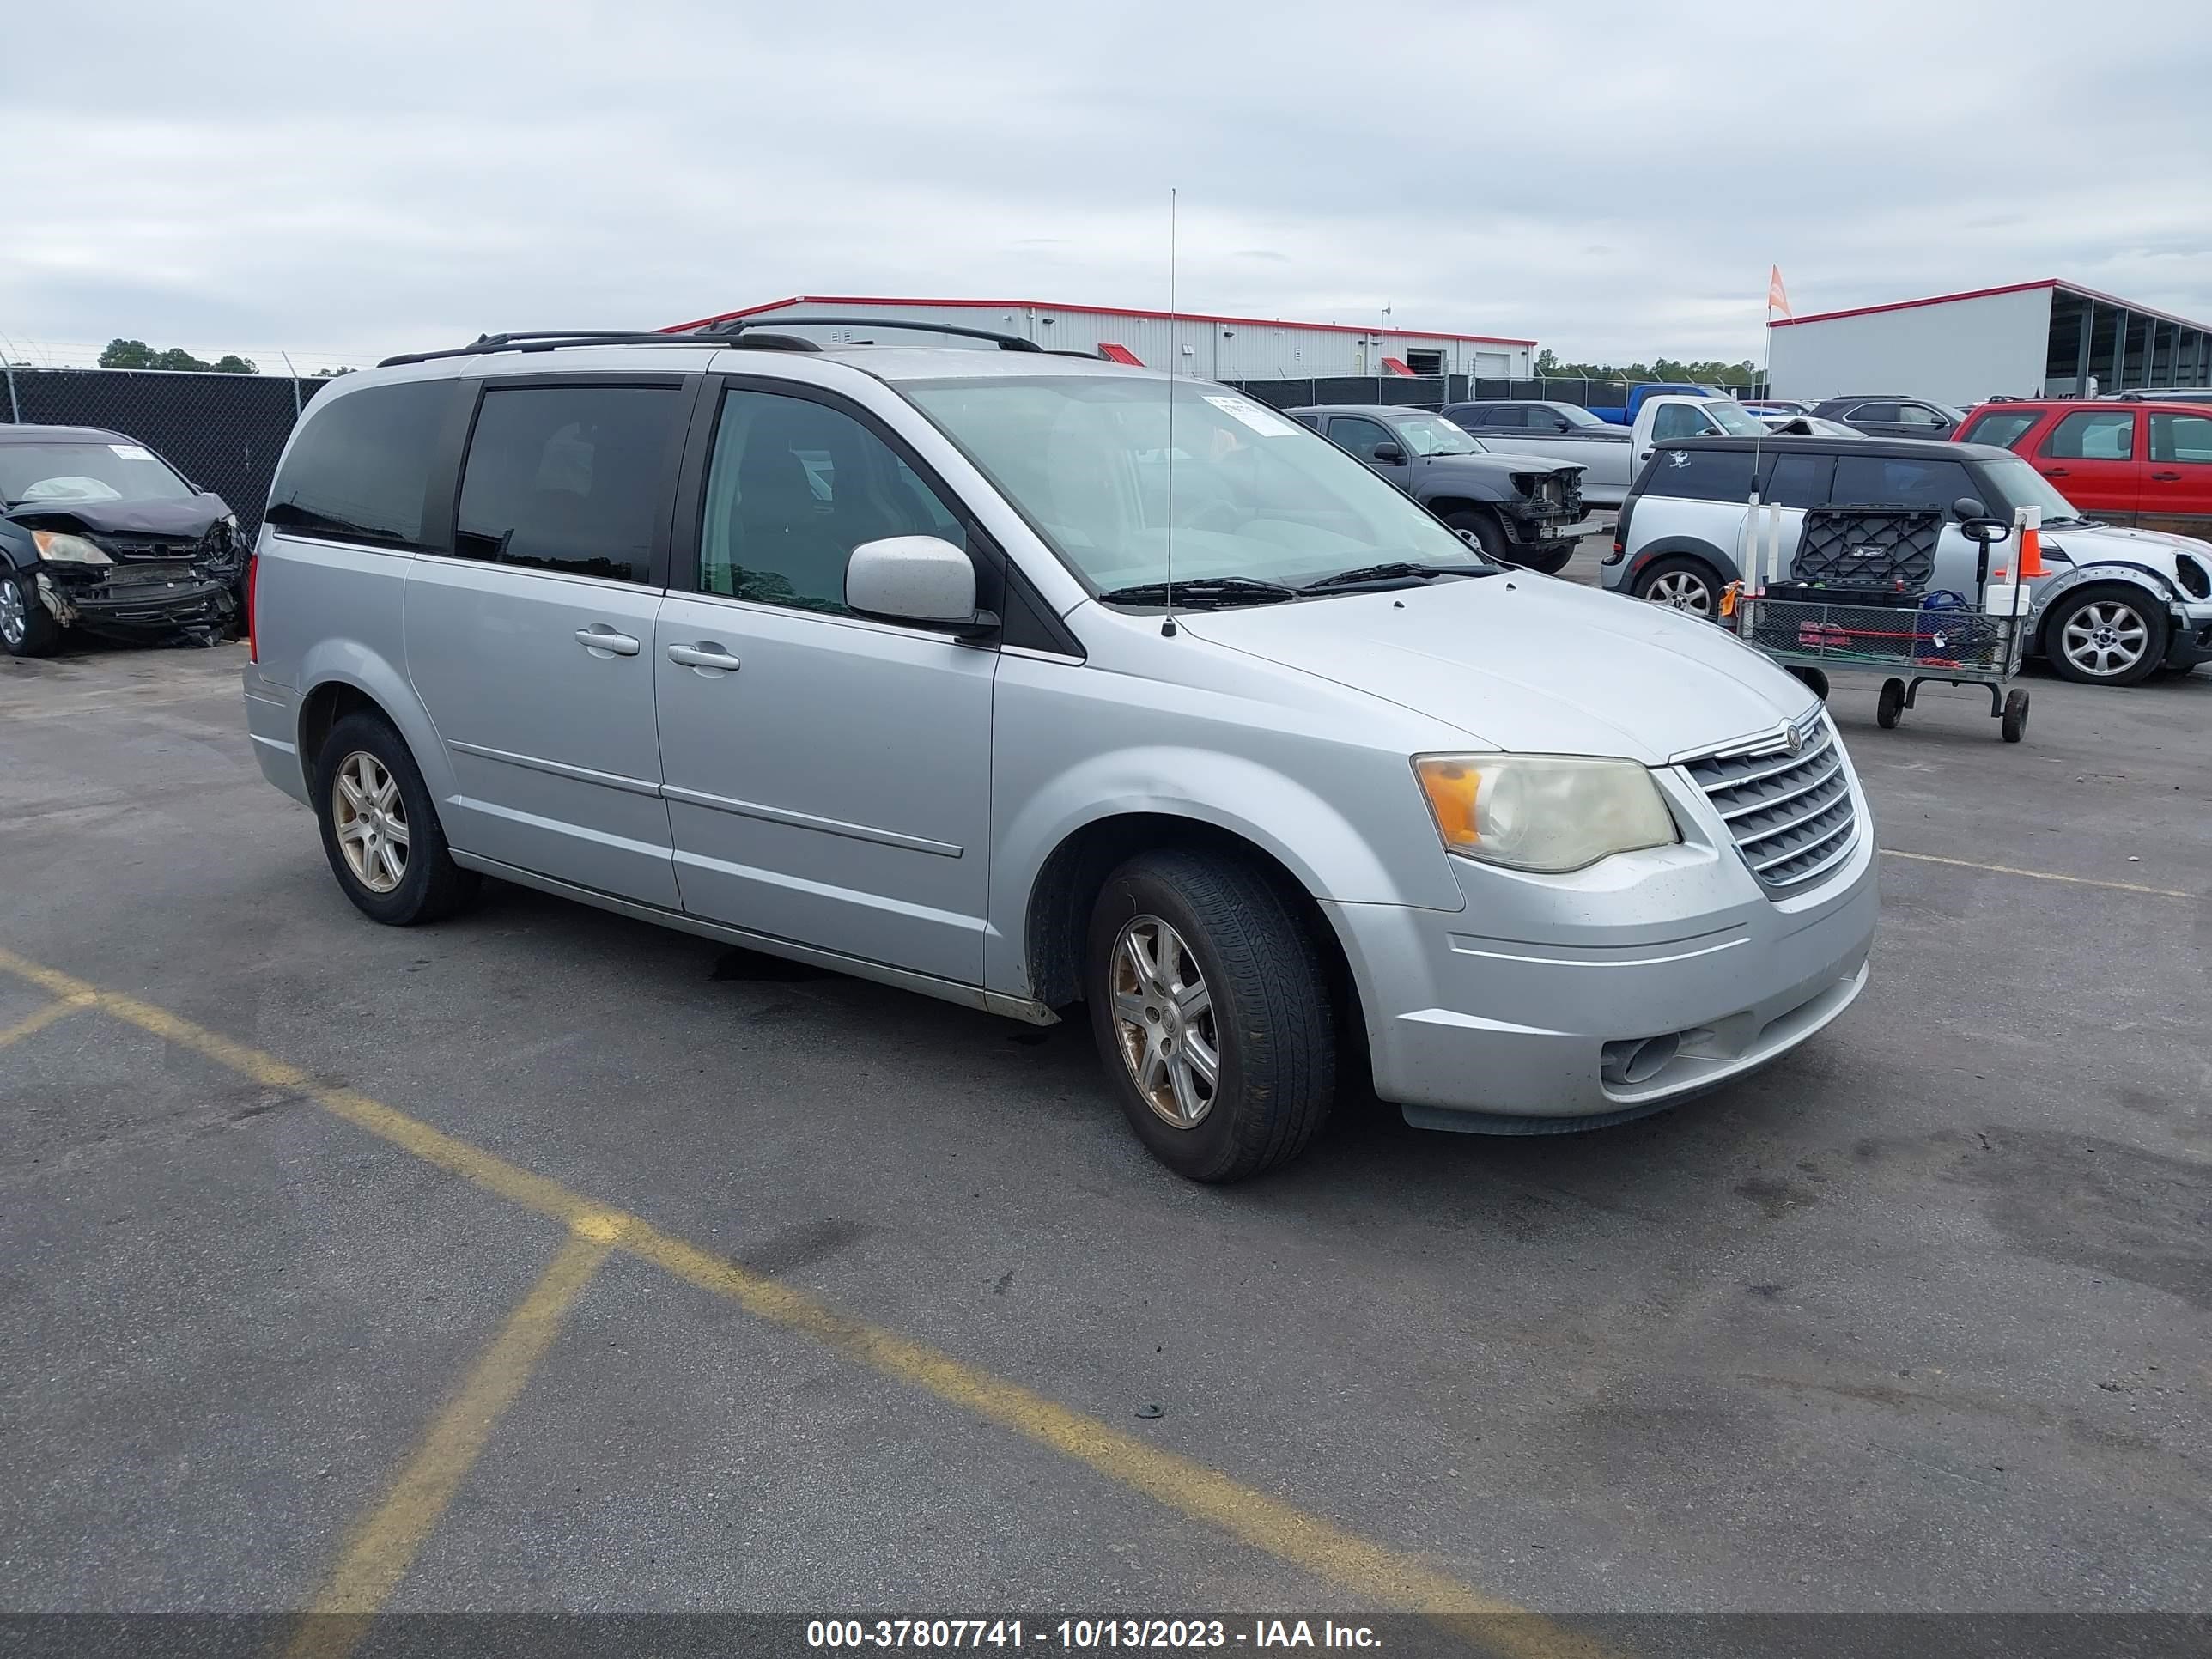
[(1168, 621)]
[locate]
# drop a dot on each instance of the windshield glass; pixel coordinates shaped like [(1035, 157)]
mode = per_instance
[(1735, 419), (1432, 434), (1575, 414), (2018, 484), (61, 474), (1245, 492)]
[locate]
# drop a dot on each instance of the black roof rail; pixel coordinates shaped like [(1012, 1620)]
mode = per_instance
[(549, 339), (730, 331)]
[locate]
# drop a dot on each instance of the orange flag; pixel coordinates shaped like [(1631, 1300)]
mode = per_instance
[(1778, 297)]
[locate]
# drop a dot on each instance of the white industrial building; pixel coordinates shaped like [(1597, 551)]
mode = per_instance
[(1214, 348), (2049, 338)]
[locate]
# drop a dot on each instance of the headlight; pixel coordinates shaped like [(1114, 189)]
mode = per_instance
[(1550, 813), (2193, 577), (67, 549)]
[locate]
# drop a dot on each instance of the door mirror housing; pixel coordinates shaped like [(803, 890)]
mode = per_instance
[(924, 579), (1390, 455), (1968, 508)]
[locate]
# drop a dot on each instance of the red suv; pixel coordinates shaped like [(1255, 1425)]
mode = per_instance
[(2146, 464)]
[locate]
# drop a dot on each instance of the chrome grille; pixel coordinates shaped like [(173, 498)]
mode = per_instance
[(1790, 815)]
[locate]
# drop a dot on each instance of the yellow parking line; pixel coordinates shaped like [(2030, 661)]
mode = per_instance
[(1386, 1577), (377, 1555), (2039, 875), (45, 1017)]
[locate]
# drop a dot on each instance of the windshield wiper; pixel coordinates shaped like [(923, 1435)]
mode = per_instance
[(1203, 591), (1402, 570)]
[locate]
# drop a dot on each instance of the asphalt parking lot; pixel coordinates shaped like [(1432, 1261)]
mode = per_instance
[(543, 1261)]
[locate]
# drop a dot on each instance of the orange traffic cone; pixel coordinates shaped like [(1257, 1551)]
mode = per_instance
[(2030, 554)]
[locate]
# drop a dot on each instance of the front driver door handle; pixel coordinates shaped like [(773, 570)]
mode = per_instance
[(2167, 478), (706, 656), (602, 640), (2054, 473)]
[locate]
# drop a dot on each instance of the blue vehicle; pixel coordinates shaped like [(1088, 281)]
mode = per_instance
[(1637, 394)]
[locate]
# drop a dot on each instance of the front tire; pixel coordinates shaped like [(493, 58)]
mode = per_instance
[(381, 830), (1210, 1006), (2105, 636), (28, 628), (1681, 583), (1474, 525)]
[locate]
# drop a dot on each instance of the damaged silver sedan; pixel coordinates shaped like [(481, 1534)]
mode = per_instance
[(99, 532)]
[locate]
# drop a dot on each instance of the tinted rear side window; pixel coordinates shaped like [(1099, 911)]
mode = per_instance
[(1798, 480), (359, 468), (1701, 475), (1893, 481), (569, 478), (2005, 430)]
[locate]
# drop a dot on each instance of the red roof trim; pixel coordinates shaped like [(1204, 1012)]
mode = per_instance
[(1088, 311), (1397, 366), (1985, 293), (1120, 354)]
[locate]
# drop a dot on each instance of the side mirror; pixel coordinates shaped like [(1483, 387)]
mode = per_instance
[(1968, 507), (1389, 455), (1559, 423), (915, 579)]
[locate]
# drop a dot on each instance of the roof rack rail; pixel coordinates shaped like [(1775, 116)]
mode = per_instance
[(549, 339), (730, 331)]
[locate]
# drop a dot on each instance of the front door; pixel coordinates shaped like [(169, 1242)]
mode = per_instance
[(827, 777), (529, 646), (2177, 489), (2094, 457), (1363, 437)]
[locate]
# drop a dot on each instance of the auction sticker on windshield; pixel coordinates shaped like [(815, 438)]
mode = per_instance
[(132, 451), (1265, 423)]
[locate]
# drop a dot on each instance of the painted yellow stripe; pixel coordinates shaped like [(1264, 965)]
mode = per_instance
[(45, 1017), (2039, 875), (377, 1555), (1386, 1577)]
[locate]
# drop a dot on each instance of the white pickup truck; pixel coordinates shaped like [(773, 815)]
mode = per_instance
[(1677, 417)]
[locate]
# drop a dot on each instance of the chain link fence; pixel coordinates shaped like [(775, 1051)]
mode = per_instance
[(224, 432)]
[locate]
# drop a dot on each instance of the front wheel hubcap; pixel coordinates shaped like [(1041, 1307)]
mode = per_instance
[(371, 820), (2104, 638), (15, 624), (1163, 1023)]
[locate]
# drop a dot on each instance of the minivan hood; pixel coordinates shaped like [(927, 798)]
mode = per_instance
[(1530, 664)]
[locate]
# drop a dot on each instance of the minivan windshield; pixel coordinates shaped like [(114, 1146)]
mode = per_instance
[(66, 474), (1243, 492)]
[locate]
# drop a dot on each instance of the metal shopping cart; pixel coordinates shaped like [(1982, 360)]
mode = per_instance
[(1878, 617)]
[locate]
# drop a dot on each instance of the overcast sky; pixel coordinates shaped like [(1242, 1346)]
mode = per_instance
[(1613, 180)]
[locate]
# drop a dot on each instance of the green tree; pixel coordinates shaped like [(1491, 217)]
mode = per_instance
[(136, 354), (328, 374)]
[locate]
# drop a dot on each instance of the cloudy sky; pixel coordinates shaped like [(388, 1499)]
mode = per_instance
[(345, 181)]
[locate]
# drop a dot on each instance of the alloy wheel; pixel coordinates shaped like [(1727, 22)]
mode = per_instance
[(1680, 590), (1164, 1022), (15, 620), (371, 820), (2104, 638)]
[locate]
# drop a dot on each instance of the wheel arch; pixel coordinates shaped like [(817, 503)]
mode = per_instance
[(1067, 883), (1676, 547), (341, 677), (2089, 578)]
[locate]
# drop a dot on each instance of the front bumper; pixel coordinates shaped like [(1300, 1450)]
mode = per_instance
[(2189, 641), (1514, 1015), (168, 601)]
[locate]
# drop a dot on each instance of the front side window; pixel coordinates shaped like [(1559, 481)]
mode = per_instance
[(1920, 415), (1506, 419), (793, 487), (1799, 480), (2004, 429), (1240, 492), (567, 478), (1731, 417), (2172, 438), (2093, 434), (1359, 435), (65, 474), (1574, 415), (1893, 481), (1678, 421), (359, 467)]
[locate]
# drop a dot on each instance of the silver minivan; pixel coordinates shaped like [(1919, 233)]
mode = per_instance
[(868, 656)]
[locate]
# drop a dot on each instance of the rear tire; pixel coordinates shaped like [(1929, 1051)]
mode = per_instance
[(1681, 583), (1202, 961), (28, 628), (1889, 707), (381, 830), (2014, 724)]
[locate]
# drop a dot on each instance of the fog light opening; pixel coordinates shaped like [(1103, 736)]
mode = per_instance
[(1638, 1060)]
